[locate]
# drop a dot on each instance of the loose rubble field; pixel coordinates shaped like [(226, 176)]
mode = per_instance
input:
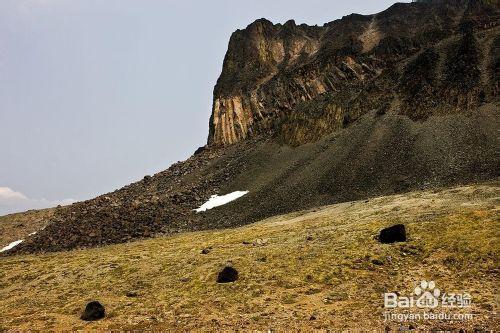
[(316, 269)]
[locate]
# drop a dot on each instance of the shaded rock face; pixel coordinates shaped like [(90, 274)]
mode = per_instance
[(393, 234), (413, 59), (93, 311)]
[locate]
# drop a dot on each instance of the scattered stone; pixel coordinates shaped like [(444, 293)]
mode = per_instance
[(247, 242), (260, 242), (309, 238), (93, 311), (147, 178), (377, 262), (328, 300), (132, 294), (395, 233), (313, 317), (228, 274), (205, 251)]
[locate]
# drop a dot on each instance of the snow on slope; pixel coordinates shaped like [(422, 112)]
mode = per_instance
[(216, 200), (11, 245)]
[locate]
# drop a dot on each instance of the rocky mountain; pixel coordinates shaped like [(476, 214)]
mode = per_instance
[(304, 116), (418, 59)]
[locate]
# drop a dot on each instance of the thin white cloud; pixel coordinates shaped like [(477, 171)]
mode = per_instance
[(9, 195), (13, 201)]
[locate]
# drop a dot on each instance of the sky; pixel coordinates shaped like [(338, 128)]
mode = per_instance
[(96, 94)]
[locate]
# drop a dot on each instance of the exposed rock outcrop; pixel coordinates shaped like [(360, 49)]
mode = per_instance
[(414, 59)]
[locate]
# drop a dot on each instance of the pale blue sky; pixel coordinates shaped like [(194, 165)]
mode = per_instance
[(94, 94)]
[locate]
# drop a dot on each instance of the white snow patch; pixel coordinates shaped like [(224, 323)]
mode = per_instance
[(216, 200), (11, 245)]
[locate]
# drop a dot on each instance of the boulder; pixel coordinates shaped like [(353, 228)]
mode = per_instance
[(93, 311), (395, 233), (228, 274)]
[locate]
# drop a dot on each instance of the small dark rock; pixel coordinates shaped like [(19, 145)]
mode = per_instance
[(377, 262), (228, 274), (205, 251), (93, 311), (131, 294), (313, 317), (147, 178), (395, 233), (309, 238), (411, 327)]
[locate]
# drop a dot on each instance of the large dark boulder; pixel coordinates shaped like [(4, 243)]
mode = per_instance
[(93, 311), (396, 233), (228, 274)]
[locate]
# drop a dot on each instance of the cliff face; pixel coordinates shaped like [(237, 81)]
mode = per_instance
[(301, 82)]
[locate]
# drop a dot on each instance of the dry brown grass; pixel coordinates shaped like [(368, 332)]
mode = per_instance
[(306, 270)]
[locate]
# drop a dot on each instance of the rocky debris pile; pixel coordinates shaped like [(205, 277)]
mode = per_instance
[(93, 311), (156, 205)]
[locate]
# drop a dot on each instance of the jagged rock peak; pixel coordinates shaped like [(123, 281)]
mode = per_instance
[(275, 74)]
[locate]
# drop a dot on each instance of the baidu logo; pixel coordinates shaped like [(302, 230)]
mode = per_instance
[(426, 295), (421, 305)]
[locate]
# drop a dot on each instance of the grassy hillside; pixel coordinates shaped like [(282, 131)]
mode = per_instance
[(320, 268), (19, 225)]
